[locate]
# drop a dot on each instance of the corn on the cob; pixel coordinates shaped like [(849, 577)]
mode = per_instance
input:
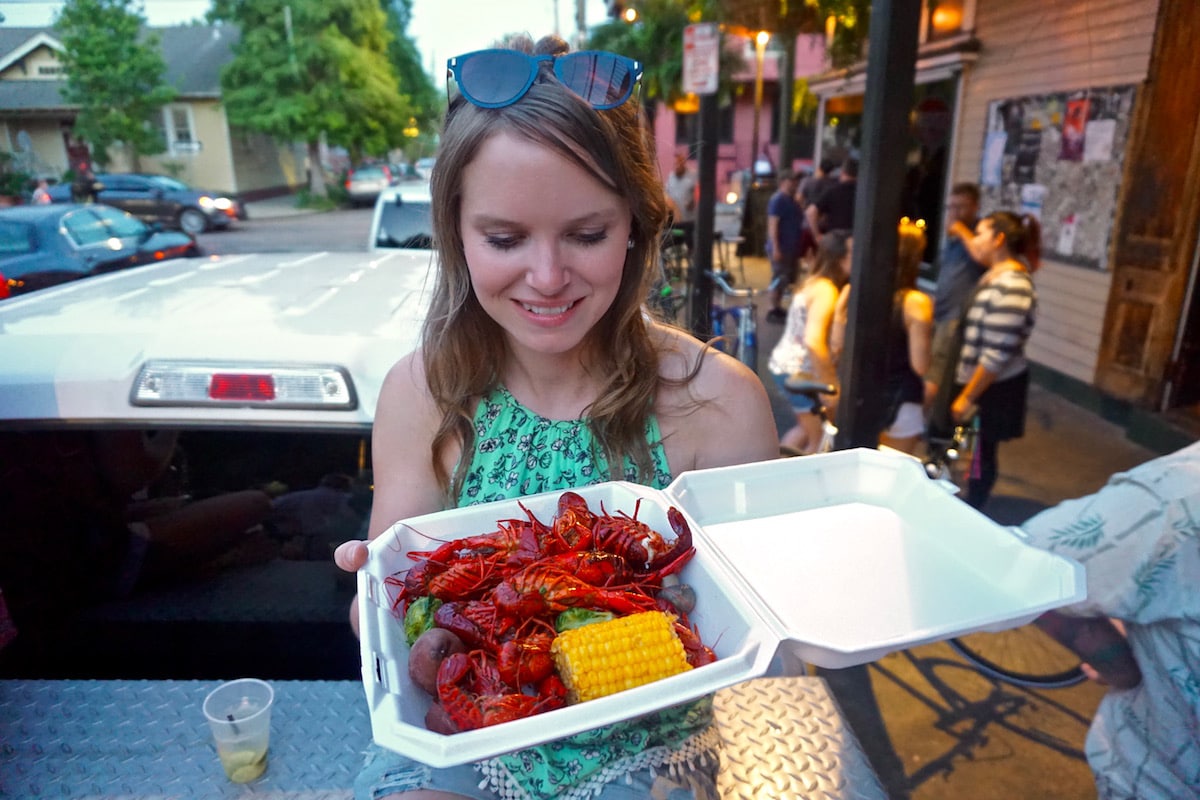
[(607, 657)]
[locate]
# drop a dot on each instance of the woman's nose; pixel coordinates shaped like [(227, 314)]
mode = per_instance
[(547, 273)]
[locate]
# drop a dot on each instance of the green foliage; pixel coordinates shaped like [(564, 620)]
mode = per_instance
[(114, 75), (426, 100), (13, 181), (656, 40), (331, 77), (809, 16)]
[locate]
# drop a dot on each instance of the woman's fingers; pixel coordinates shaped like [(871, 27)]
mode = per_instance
[(351, 555)]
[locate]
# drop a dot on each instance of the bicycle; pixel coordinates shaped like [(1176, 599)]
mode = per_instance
[(1024, 656), (813, 391), (743, 344), (670, 293)]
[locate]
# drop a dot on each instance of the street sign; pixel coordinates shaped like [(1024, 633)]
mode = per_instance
[(701, 55)]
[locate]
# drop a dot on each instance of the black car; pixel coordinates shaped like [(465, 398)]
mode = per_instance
[(48, 244), (161, 199)]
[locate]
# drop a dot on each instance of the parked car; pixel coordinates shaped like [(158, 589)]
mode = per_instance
[(48, 244), (402, 218), (365, 183), (424, 166), (269, 367), (162, 199)]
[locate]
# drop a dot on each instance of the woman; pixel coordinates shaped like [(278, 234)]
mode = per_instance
[(548, 211), (992, 370), (910, 343), (804, 346)]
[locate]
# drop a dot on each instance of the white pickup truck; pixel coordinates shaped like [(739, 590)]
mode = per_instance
[(268, 368)]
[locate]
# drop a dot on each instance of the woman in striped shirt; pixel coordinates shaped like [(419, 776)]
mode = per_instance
[(992, 369)]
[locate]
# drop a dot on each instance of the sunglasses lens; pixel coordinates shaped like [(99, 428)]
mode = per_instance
[(494, 78), (604, 80)]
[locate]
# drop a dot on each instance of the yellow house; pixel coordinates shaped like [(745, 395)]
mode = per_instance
[(36, 125)]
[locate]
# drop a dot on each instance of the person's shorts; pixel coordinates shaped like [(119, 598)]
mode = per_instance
[(784, 269), (910, 421), (801, 404), (386, 772)]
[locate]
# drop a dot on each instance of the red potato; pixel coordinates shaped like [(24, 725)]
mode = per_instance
[(427, 653), (438, 721)]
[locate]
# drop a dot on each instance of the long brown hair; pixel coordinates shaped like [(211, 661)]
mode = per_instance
[(464, 349), (833, 247)]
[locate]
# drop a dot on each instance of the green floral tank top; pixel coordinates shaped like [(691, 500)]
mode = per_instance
[(518, 452)]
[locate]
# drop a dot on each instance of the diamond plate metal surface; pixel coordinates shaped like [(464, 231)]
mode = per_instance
[(149, 739), (785, 739)]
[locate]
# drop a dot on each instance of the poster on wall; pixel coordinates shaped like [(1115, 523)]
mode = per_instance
[(1060, 156)]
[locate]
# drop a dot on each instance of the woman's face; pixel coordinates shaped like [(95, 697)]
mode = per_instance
[(545, 243), (983, 246)]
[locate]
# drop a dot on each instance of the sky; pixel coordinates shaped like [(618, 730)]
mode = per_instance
[(441, 28)]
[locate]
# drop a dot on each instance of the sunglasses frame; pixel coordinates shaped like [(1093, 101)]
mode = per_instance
[(455, 65)]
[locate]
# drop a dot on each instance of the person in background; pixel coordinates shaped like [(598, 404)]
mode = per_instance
[(910, 342), (1139, 540), (682, 188), (783, 242), (834, 209), (958, 273), (538, 370), (804, 347), (993, 374), (41, 194), (811, 188)]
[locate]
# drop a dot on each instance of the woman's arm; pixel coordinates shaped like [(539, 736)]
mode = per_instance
[(823, 296), (841, 316), (402, 470), (918, 320)]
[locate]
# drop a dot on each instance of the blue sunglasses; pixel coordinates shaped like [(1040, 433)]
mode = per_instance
[(499, 78)]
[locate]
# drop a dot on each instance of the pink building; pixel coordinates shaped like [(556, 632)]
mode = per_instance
[(673, 129)]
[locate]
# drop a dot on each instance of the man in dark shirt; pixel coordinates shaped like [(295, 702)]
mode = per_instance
[(783, 241), (958, 275), (834, 209)]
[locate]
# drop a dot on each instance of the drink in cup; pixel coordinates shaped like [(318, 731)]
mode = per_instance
[(239, 714)]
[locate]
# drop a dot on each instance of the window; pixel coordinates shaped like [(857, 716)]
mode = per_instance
[(686, 126), (120, 224), (178, 128), (85, 228), (15, 238)]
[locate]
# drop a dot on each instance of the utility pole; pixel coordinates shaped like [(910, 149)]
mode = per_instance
[(886, 103)]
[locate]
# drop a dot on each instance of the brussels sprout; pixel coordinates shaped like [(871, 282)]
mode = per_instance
[(419, 617), (578, 617)]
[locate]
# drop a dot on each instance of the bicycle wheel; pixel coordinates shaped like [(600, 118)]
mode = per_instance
[(1024, 656)]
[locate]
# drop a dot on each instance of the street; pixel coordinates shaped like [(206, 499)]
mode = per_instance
[(343, 229)]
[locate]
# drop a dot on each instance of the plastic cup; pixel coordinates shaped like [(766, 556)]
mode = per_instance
[(239, 714)]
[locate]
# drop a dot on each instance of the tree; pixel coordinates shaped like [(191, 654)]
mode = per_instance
[(304, 70), (427, 102), (656, 40), (114, 75)]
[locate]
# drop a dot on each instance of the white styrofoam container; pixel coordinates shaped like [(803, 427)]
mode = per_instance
[(836, 559)]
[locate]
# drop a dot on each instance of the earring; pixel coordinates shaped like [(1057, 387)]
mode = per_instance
[(629, 244)]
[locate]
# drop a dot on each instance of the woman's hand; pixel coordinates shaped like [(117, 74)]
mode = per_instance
[(351, 555), (962, 408)]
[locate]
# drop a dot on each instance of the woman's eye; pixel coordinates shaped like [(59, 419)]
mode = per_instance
[(502, 242), (591, 237)]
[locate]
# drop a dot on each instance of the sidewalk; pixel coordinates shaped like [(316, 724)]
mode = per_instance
[(1067, 451), (277, 208)]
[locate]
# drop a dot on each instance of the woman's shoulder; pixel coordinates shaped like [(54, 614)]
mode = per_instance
[(405, 390), (918, 305), (702, 390)]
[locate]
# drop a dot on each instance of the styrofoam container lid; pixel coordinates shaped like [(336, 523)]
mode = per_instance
[(841, 558)]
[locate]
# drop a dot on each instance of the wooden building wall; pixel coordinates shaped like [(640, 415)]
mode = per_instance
[(1041, 46)]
